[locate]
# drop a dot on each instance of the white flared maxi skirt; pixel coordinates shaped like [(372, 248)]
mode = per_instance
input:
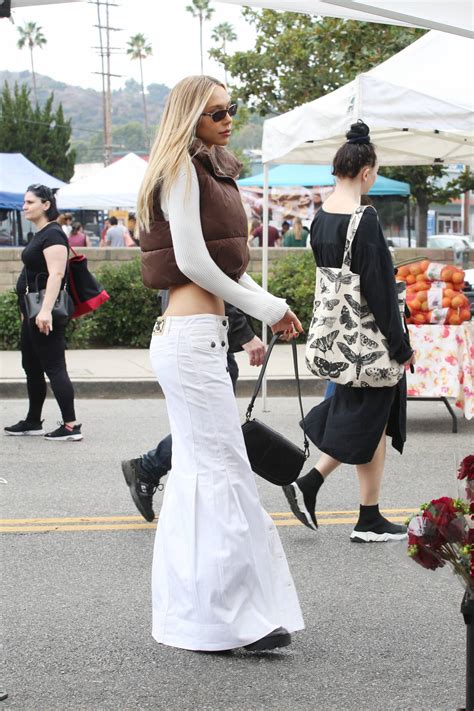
[(220, 576)]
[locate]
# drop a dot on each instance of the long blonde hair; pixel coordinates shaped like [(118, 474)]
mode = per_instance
[(297, 227), (170, 152)]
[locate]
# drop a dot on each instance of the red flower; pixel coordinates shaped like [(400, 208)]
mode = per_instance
[(425, 557), (466, 468)]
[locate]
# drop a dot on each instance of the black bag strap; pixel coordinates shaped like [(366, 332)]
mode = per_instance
[(258, 385)]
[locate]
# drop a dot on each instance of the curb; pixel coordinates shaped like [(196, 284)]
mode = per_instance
[(118, 389)]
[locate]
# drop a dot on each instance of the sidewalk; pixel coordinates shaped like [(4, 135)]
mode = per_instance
[(116, 373)]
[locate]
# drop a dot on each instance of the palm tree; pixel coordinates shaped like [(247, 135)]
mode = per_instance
[(31, 35), (201, 9), (223, 33), (139, 48)]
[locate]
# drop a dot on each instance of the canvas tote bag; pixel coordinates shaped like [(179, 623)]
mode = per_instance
[(344, 342)]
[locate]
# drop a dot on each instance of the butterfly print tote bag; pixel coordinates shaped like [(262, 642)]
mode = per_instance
[(344, 343)]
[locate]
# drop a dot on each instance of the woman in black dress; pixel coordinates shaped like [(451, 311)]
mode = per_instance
[(351, 426), (42, 340)]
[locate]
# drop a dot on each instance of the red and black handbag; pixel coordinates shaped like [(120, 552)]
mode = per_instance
[(84, 288)]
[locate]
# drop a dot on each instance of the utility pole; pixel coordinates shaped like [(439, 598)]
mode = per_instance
[(105, 52)]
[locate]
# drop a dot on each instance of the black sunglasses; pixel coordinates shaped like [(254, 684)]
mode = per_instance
[(42, 190), (220, 114)]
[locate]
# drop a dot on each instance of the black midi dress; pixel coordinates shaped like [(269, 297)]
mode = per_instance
[(349, 425)]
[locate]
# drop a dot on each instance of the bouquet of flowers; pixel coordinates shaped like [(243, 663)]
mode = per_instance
[(443, 531)]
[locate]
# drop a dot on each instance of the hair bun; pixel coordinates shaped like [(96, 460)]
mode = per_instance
[(358, 133)]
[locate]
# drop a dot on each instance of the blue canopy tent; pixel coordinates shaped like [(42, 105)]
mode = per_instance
[(16, 173), (319, 175)]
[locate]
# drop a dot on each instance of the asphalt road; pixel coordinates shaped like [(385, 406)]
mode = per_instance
[(381, 633)]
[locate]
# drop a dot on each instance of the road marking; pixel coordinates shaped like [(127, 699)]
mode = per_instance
[(121, 523)]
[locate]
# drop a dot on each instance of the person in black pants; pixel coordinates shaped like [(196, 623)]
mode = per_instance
[(42, 340), (143, 474)]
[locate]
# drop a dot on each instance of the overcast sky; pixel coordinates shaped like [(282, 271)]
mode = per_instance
[(69, 29)]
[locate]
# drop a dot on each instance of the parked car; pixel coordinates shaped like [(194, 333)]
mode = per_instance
[(457, 242)]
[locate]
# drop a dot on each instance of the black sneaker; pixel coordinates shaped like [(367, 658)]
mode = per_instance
[(380, 532), (25, 427), (295, 498), (65, 434), (141, 492), (278, 638)]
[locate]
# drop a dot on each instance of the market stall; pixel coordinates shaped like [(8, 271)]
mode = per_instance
[(444, 365), (297, 190), (441, 333)]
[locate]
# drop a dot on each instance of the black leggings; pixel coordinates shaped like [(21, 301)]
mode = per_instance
[(42, 354)]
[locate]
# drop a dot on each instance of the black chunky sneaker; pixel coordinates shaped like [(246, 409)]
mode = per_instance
[(65, 433), (278, 638), (299, 507), (25, 427), (141, 491), (379, 532)]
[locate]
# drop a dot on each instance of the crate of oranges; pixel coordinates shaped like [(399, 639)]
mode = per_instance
[(434, 293)]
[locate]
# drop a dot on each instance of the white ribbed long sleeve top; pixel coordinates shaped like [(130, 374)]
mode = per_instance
[(181, 209)]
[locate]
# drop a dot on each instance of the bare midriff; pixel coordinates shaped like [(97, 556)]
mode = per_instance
[(191, 299)]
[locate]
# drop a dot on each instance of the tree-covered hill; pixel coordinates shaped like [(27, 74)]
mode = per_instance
[(84, 107)]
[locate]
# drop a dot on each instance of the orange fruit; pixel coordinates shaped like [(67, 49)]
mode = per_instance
[(449, 293), (454, 319), (421, 286), (415, 305), (415, 269), (421, 277), (410, 279), (403, 271), (424, 306), (447, 273), (419, 318), (422, 295), (465, 314), (456, 302), (446, 304), (424, 264), (458, 287), (458, 277), (428, 316)]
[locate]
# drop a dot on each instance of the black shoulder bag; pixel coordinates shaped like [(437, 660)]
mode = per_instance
[(63, 307), (271, 455)]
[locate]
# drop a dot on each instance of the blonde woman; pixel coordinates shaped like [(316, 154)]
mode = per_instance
[(296, 236), (220, 577)]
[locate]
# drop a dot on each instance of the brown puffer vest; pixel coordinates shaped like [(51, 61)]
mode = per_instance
[(223, 221)]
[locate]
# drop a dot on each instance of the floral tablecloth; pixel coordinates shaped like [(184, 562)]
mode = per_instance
[(444, 364)]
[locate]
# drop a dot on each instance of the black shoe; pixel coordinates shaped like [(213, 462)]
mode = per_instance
[(65, 434), (141, 492), (295, 498), (278, 638), (25, 427), (379, 532)]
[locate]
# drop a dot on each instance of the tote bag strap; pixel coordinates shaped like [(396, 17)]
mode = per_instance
[(297, 378), (352, 228)]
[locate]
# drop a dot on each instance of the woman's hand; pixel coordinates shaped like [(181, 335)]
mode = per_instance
[(410, 362), (289, 324), (44, 321)]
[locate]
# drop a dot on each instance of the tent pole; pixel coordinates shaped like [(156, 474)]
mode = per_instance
[(19, 228), (409, 221), (265, 268)]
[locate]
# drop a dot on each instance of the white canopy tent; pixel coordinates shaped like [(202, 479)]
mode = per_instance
[(33, 3), (115, 186), (418, 104), (454, 16)]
